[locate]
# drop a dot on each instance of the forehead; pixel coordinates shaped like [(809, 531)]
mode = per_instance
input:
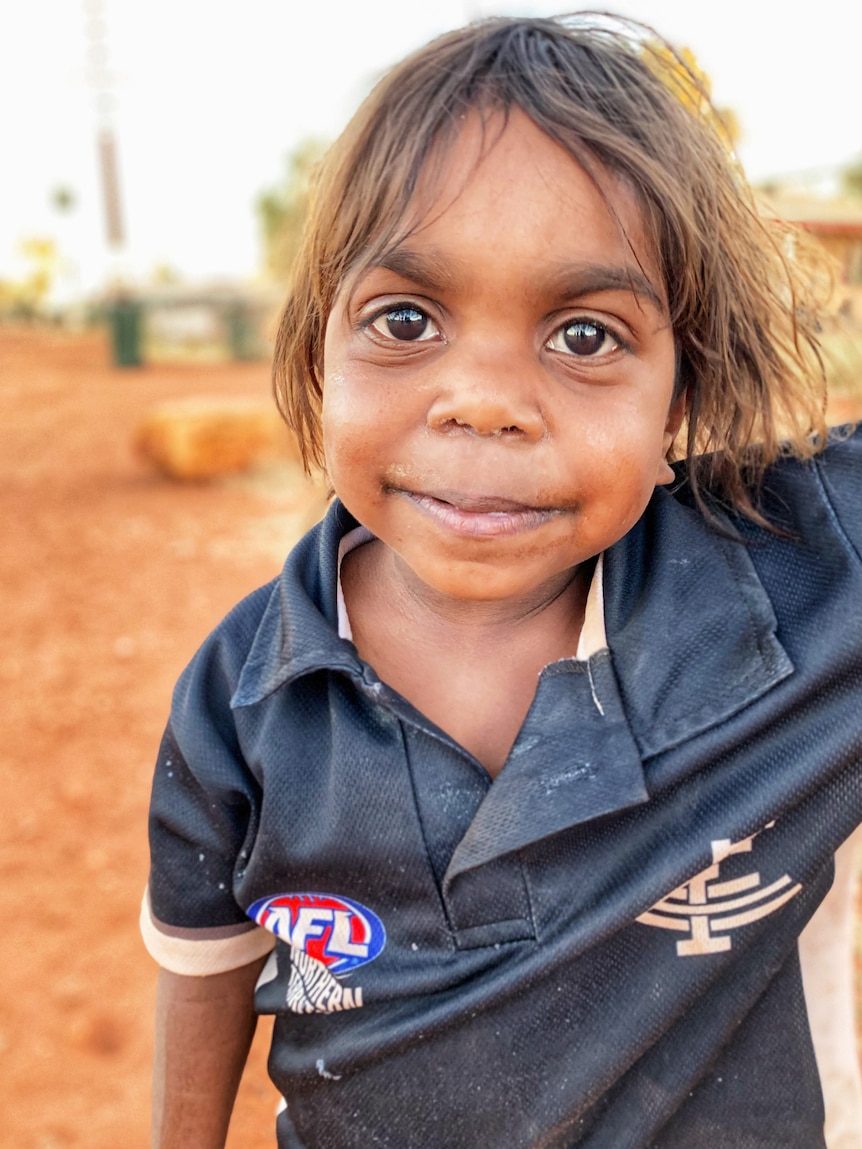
[(502, 181)]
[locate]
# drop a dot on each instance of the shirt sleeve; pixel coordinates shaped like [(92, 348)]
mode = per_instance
[(200, 952), (204, 813)]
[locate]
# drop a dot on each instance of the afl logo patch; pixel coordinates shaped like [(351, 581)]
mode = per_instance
[(337, 932)]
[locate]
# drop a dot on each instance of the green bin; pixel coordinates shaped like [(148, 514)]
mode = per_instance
[(124, 318), (242, 333)]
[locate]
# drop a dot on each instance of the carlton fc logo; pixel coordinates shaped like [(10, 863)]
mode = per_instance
[(708, 910), (328, 937)]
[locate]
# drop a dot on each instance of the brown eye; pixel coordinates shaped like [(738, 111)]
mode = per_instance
[(584, 337), (406, 324)]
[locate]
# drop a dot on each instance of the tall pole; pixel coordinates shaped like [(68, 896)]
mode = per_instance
[(102, 81), (107, 146)]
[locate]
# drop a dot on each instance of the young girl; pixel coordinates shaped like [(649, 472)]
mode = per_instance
[(514, 793)]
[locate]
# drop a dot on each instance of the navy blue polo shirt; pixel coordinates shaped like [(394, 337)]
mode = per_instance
[(598, 949)]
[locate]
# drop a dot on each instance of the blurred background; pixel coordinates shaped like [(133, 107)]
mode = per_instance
[(156, 155), (147, 143), (154, 163)]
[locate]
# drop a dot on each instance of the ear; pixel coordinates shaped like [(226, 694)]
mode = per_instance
[(675, 416)]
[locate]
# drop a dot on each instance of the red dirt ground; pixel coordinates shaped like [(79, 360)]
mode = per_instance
[(111, 577)]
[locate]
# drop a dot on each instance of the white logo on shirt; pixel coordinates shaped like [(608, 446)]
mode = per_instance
[(707, 909), (313, 989)]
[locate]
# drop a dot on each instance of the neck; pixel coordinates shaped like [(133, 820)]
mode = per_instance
[(470, 666), (380, 590)]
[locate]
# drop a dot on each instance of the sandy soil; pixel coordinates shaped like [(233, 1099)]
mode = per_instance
[(111, 577)]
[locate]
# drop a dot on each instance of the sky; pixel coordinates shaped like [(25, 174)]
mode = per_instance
[(209, 97)]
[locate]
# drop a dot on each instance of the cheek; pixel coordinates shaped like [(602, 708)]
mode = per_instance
[(345, 454), (358, 433), (355, 396), (341, 443), (622, 439), (619, 458)]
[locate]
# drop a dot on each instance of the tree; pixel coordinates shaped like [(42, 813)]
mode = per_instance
[(282, 210), (63, 199), (851, 177), (684, 78), (25, 298)]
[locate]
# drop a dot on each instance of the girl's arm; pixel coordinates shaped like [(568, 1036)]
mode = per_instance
[(204, 1027)]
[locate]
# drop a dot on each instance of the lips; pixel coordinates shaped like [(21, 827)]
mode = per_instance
[(478, 516)]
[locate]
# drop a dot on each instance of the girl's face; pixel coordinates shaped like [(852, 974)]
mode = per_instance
[(498, 390)]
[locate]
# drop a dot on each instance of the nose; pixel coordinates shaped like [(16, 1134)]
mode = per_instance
[(488, 398)]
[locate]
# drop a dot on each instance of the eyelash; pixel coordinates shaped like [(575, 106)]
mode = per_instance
[(607, 332)]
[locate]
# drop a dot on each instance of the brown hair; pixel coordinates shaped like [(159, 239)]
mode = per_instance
[(740, 288)]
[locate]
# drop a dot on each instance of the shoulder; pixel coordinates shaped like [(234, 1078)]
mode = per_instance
[(838, 472), (818, 501), (275, 634), (230, 641), (216, 667)]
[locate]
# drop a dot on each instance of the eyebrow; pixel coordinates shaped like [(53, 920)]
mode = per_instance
[(568, 281), (575, 280), (429, 270)]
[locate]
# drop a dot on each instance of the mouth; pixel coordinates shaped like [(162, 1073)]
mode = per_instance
[(478, 516)]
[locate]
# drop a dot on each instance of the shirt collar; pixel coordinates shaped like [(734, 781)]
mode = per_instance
[(298, 632), (349, 542), (689, 625)]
